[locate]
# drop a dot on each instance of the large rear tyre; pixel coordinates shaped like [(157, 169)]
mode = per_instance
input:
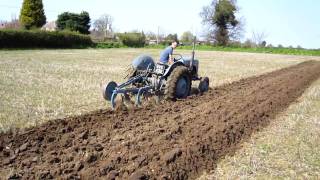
[(178, 84)]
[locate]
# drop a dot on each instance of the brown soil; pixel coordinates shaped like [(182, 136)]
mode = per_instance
[(174, 140)]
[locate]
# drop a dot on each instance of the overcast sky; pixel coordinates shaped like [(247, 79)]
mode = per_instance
[(286, 22)]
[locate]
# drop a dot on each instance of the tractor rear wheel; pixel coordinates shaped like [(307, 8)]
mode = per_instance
[(178, 84)]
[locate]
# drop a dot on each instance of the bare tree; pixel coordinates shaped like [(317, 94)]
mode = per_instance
[(151, 35), (161, 34), (104, 24), (237, 33), (13, 24), (259, 37)]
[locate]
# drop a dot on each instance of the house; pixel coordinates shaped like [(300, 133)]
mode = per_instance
[(152, 42), (2, 25), (50, 26)]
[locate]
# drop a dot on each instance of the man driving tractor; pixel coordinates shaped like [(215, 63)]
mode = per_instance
[(171, 78), (166, 54)]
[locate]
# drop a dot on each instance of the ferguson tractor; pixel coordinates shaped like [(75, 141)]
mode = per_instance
[(150, 78)]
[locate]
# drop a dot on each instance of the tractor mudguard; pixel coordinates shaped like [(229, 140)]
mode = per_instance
[(170, 68)]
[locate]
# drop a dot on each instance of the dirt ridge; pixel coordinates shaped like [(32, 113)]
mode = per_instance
[(176, 140)]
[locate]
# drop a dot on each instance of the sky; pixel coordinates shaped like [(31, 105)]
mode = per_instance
[(286, 22)]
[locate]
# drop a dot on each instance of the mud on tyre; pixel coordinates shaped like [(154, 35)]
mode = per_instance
[(178, 84)]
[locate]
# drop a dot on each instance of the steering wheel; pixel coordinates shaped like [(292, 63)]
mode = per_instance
[(177, 58)]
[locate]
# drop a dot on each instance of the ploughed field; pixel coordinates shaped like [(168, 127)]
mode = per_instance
[(173, 140)]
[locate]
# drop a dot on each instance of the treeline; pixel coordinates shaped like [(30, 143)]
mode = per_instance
[(28, 32), (72, 30)]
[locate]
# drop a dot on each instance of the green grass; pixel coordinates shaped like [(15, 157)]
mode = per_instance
[(106, 45), (274, 50), (267, 50)]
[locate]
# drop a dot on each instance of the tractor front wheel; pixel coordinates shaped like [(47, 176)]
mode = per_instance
[(178, 84)]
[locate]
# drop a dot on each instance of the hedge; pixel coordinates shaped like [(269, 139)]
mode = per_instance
[(43, 39), (105, 45)]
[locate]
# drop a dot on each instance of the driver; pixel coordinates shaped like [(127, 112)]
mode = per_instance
[(166, 54)]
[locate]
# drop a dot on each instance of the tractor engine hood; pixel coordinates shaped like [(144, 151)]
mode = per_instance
[(143, 62), (186, 61)]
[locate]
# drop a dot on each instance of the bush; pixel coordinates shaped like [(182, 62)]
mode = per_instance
[(42, 39), (166, 43), (133, 39), (234, 44), (248, 44), (104, 45)]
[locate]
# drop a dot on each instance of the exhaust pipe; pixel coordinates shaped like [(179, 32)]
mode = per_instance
[(193, 53)]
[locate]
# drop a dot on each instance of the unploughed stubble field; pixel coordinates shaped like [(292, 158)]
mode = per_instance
[(39, 85)]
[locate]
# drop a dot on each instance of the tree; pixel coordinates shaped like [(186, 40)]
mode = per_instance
[(32, 14), (151, 35), (187, 37), (263, 44), (270, 46), (74, 22), (104, 24), (172, 37), (259, 38), (169, 38), (220, 18)]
